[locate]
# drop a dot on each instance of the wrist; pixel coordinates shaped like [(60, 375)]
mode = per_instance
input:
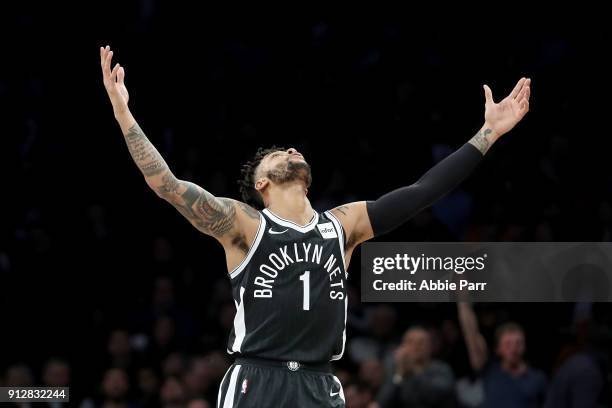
[(491, 132), (485, 138), (120, 111)]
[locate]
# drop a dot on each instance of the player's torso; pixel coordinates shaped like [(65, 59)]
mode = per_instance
[(290, 292)]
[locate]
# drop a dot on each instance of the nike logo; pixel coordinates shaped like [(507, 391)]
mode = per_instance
[(333, 394), (271, 231)]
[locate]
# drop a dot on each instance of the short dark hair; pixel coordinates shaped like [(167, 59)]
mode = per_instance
[(247, 183), (507, 328)]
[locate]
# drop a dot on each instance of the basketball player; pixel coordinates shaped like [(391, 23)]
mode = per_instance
[(287, 262)]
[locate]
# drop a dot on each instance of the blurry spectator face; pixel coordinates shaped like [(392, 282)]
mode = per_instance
[(217, 364), (357, 397), (199, 376), (173, 365), (119, 343), (163, 296), (417, 345), (372, 373), (56, 374), (511, 346), (198, 403), (115, 384), (19, 376), (147, 381), (163, 331), (382, 321), (172, 392)]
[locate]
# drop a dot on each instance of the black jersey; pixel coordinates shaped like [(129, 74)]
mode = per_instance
[(290, 291)]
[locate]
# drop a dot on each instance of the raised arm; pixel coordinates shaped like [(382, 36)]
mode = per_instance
[(476, 344), (364, 220), (221, 218)]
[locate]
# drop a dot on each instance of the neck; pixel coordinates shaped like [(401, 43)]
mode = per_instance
[(514, 368), (290, 202)]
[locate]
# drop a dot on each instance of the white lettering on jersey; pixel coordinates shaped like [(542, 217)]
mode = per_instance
[(306, 252)]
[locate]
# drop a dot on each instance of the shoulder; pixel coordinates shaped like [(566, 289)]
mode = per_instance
[(441, 367), (536, 374), (355, 221)]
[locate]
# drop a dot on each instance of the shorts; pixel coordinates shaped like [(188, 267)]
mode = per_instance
[(265, 383)]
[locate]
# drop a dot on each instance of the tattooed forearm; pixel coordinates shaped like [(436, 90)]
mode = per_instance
[(481, 141), (145, 155)]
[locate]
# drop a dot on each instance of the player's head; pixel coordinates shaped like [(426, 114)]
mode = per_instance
[(269, 168), (510, 343)]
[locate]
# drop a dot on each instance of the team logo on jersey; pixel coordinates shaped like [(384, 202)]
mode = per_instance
[(327, 230), (245, 385), (293, 365)]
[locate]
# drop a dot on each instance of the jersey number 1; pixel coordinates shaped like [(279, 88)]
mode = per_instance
[(305, 278)]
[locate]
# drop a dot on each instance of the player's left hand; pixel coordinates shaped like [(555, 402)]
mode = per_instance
[(503, 116)]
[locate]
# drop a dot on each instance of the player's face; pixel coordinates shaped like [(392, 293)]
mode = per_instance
[(285, 166), (511, 346)]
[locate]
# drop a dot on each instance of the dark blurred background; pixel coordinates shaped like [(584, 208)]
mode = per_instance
[(107, 288)]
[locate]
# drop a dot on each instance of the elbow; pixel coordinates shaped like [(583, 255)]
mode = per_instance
[(163, 185), (160, 190)]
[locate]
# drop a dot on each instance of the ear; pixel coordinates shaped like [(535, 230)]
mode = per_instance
[(261, 184)]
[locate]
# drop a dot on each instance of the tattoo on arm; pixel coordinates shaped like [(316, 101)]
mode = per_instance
[(250, 211), (211, 215), (480, 141), (342, 209), (146, 156)]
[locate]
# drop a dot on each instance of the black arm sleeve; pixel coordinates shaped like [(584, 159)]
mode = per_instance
[(394, 208)]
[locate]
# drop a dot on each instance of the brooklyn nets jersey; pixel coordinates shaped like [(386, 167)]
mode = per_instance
[(290, 292)]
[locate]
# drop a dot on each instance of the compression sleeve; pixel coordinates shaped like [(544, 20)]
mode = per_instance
[(395, 208)]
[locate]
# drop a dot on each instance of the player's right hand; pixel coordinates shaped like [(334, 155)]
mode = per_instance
[(113, 81)]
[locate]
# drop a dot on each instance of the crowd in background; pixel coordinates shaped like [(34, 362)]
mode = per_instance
[(105, 288)]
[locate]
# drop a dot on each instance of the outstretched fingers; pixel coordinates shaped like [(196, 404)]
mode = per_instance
[(106, 57), (518, 88), (113, 74), (524, 93), (120, 75)]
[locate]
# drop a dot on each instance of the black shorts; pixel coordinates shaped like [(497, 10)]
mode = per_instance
[(262, 384)]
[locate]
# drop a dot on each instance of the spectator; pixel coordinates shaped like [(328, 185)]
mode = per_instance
[(119, 350), (148, 388), (198, 403), (358, 395), (56, 373), (19, 375), (577, 384), (418, 380), (509, 382), (172, 393), (114, 391)]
